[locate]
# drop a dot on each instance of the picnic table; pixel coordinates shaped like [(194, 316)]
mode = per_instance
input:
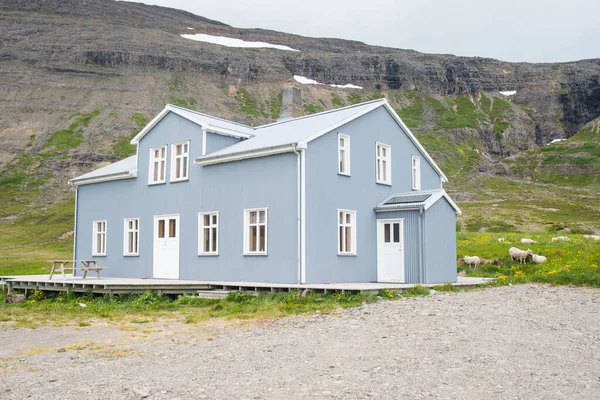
[(71, 265)]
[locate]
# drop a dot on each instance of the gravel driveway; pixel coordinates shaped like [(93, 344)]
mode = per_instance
[(520, 342)]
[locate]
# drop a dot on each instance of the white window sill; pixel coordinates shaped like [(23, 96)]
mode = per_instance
[(131, 255), (156, 183), (416, 189), (208, 254), (383, 183), (180, 180), (98, 255), (343, 174), (256, 254), (347, 254)]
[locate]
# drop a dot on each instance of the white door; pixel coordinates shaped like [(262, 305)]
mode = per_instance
[(390, 250), (166, 247)]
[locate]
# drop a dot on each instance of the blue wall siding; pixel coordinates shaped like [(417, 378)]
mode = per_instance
[(326, 191), (411, 241), (216, 142), (228, 188), (440, 247)]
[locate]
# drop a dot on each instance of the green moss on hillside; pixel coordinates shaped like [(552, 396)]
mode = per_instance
[(72, 136)]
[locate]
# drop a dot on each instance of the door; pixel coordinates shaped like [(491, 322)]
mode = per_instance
[(390, 250), (166, 247)]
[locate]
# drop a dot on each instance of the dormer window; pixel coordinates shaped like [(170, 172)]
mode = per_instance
[(158, 165), (343, 154), (180, 155)]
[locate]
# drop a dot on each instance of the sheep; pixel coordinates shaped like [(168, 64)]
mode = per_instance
[(595, 237), (563, 238), (472, 260), (521, 255), (525, 240), (501, 239), (538, 259)]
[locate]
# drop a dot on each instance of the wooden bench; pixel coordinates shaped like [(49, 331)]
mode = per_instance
[(71, 265)]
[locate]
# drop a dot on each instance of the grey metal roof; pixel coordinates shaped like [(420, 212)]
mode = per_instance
[(294, 130), (125, 166), (422, 199), (408, 198)]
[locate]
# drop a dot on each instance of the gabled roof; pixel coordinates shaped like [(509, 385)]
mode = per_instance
[(207, 122), (415, 200), (120, 170), (295, 133)]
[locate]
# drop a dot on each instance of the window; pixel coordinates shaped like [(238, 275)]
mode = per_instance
[(343, 154), (208, 233), (255, 232), (131, 235), (180, 161), (346, 232), (383, 157), (99, 239), (158, 164), (416, 173)]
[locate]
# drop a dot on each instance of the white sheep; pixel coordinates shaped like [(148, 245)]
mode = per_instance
[(563, 238), (595, 237), (501, 239), (525, 240), (538, 259), (472, 260), (521, 255)]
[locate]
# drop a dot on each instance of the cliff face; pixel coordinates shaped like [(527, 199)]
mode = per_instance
[(80, 77)]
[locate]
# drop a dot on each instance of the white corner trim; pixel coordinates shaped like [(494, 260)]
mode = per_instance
[(303, 212), (203, 141)]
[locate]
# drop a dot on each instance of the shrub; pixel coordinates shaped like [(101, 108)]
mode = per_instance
[(238, 297)]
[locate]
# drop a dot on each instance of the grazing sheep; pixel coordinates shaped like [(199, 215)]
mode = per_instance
[(501, 239), (595, 237), (563, 238), (521, 255), (525, 240), (538, 259), (473, 260)]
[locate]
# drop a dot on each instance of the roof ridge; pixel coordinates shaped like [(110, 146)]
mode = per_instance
[(381, 100), (210, 116)]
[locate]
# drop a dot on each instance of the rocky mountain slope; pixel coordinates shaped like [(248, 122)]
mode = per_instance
[(79, 78)]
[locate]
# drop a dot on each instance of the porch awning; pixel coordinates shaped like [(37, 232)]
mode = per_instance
[(422, 199)]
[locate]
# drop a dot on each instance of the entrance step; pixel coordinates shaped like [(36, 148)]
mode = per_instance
[(212, 294)]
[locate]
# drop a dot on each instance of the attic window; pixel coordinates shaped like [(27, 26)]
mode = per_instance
[(416, 173), (383, 157), (180, 155), (343, 154), (158, 165)]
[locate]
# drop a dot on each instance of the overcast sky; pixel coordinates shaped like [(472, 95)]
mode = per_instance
[(511, 30)]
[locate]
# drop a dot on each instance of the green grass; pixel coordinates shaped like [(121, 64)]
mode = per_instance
[(311, 108), (575, 262), (455, 159), (190, 102), (64, 309), (72, 136), (123, 147), (354, 97), (337, 101)]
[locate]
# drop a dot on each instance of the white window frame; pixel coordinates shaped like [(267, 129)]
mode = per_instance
[(247, 225), (136, 234), (211, 226), (95, 233), (380, 161), (183, 160), (158, 160), (346, 158), (416, 172), (353, 231)]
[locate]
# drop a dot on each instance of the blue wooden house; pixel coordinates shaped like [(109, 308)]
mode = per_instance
[(347, 195)]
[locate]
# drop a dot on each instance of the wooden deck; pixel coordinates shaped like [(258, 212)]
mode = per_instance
[(112, 286)]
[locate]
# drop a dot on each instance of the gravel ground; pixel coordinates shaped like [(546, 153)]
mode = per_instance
[(520, 342)]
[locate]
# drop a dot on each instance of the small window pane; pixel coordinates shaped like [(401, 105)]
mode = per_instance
[(252, 238), (341, 239), (214, 219), (206, 220), (214, 239), (185, 148), (161, 228), (177, 170), (206, 239), (263, 239), (386, 233), (185, 166), (396, 233), (348, 239), (341, 142), (383, 151), (162, 170), (155, 171), (384, 167), (348, 217), (262, 217), (156, 153), (341, 217), (253, 217), (172, 226), (162, 152), (178, 149)]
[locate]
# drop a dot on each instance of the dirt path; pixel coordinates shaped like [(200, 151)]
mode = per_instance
[(523, 342)]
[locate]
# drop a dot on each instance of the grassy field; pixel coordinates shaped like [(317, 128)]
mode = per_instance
[(574, 262)]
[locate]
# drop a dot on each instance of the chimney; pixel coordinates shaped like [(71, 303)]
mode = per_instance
[(291, 104)]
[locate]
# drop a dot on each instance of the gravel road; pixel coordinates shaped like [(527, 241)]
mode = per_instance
[(518, 342)]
